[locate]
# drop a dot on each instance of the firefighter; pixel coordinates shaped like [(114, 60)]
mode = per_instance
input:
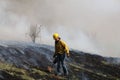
[(61, 51)]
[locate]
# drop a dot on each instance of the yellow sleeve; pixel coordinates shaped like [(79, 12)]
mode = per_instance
[(66, 48)]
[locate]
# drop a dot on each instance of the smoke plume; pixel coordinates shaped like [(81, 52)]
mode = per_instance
[(88, 25)]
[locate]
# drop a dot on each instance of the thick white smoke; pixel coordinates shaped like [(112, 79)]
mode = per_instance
[(88, 25)]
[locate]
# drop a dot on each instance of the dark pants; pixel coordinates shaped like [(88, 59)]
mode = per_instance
[(60, 62)]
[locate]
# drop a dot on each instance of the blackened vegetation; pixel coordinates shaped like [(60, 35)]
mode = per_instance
[(32, 62)]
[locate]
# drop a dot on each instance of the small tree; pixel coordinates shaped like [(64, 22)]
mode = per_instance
[(34, 32)]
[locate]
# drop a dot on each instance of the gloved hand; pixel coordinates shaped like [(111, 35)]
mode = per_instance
[(68, 56), (54, 55)]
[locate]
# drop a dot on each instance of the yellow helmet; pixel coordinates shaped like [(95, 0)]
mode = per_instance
[(55, 35)]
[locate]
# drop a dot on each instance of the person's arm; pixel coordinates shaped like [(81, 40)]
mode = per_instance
[(66, 48)]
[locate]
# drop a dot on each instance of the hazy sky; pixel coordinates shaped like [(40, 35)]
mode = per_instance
[(87, 25)]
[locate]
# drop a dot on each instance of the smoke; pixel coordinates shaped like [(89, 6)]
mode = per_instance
[(88, 25), (12, 25)]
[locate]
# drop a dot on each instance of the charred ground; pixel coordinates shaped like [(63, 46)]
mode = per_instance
[(27, 61)]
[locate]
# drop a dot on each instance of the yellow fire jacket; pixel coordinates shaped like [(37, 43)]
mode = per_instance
[(61, 47)]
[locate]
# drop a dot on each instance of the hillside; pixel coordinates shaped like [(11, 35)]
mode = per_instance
[(28, 61)]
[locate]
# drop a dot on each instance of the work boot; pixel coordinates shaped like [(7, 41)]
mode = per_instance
[(65, 74), (59, 74)]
